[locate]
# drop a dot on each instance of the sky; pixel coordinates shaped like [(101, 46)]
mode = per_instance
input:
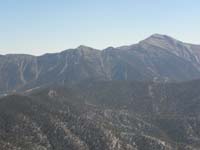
[(47, 26)]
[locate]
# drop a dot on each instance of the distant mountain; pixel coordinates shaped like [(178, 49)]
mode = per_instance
[(159, 58), (103, 115), (139, 97)]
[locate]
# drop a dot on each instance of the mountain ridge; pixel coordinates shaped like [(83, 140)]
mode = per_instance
[(136, 97), (159, 57), (85, 46)]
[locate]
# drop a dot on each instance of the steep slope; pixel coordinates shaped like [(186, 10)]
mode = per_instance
[(17, 71), (158, 58), (187, 51), (22, 72)]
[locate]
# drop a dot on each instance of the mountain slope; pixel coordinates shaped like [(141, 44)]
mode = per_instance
[(158, 58), (115, 115)]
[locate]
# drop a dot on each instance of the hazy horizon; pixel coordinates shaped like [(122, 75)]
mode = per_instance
[(38, 27)]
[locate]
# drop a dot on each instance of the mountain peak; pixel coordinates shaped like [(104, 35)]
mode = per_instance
[(162, 41), (156, 35), (160, 37), (83, 47)]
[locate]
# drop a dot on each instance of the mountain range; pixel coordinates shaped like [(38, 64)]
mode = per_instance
[(159, 58), (139, 97)]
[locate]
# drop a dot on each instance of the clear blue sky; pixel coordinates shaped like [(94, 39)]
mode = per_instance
[(40, 26)]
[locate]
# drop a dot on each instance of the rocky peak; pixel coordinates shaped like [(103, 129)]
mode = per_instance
[(160, 36), (84, 48), (161, 41)]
